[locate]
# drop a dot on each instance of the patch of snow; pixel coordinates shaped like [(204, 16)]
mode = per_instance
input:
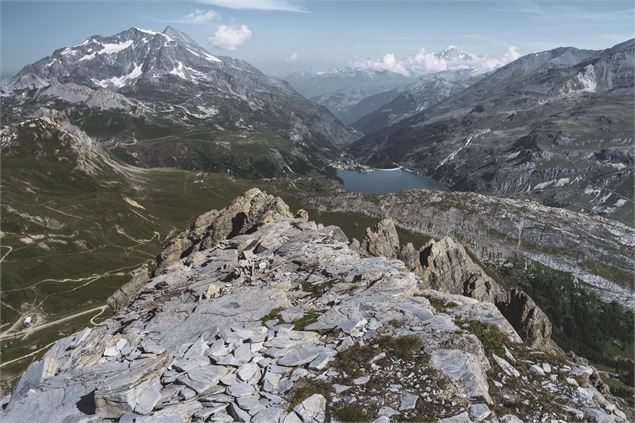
[(513, 155), (467, 142), (147, 31), (544, 185), (621, 202), (120, 81), (618, 166), (589, 190), (87, 57), (562, 182), (115, 48), (211, 58), (178, 71)]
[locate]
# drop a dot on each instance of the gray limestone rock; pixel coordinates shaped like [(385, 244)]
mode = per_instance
[(312, 409)]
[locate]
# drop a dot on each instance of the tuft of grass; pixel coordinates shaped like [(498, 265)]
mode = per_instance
[(352, 413), (316, 290), (310, 317), (305, 388), (492, 339), (441, 305), (402, 346), (353, 360), (273, 315)]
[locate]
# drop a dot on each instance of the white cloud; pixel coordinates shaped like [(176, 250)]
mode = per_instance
[(387, 63), (294, 57), (200, 16), (279, 5), (230, 37), (423, 62)]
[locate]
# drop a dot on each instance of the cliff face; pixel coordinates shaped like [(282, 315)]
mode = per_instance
[(254, 314)]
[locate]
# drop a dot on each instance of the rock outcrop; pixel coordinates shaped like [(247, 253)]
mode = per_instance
[(530, 321), (381, 241), (245, 214), (122, 297), (283, 322), (446, 266)]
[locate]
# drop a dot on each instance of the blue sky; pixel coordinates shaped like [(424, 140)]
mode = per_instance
[(280, 36)]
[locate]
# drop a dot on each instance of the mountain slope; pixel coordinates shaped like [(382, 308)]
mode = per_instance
[(556, 126), (259, 315), (416, 97), (159, 99)]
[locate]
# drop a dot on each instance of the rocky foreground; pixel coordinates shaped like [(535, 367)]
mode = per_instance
[(256, 315)]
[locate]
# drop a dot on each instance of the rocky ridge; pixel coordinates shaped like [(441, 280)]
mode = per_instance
[(444, 265), (255, 314)]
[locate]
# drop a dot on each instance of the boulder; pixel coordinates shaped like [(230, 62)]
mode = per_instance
[(126, 391)]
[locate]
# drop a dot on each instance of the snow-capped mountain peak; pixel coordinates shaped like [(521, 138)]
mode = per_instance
[(122, 59), (454, 55)]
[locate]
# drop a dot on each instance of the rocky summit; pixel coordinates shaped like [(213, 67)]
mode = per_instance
[(256, 314)]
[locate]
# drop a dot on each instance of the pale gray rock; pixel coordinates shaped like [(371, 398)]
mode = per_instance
[(148, 399), (510, 418), (532, 323), (267, 415), (301, 355), (408, 402), (312, 409), (241, 389), (238, 414), (507, 368), (249, 372), (200, 379), (534, 368), (122, 392), (479, 412), (292, 417), (459, 418), (180, 355), (34, 375), (464, 368), (381, 241)]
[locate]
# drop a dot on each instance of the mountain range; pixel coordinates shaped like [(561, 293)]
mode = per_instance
[(160, 99), (353, 92), (555, 126)]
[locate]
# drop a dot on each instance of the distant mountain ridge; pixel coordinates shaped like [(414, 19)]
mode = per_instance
[(423, 93), (556, 126), (356, 91), (160, 99)]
